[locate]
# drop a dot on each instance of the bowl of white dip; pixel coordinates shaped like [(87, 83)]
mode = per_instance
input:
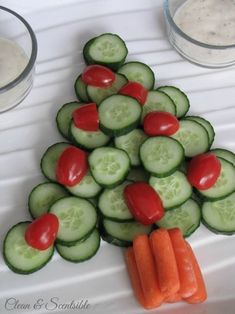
[(202, 31), (18, 51)]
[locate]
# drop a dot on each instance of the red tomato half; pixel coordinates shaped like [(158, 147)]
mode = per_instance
[(143, 202), (42, 232), (203, 171), (72, 166), (98, 75), (135, 90), (86, 117), (160, 123)]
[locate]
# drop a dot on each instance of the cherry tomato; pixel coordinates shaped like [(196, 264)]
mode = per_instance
[(72, 166), (203, 171), (98, 75), (86, 117), (42, 232), (160, 123), (143, 202), (135, 90)]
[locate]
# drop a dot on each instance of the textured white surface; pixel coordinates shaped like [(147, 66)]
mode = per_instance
[(29, 129)]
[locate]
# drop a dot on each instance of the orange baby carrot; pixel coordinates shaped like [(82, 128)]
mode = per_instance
[(188, 282), (200, 295), (165, 262), (173, 298)]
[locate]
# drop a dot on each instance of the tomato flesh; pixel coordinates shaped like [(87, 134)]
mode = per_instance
[(71, 166), (86, 117), (203, 171), (98, 76), (143, 202), (160, 123), (42, 232), (135, 90)]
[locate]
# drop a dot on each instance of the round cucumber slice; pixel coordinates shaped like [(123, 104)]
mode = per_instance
[(225, 154), (81, 89)]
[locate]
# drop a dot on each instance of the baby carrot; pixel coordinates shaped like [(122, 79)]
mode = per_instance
[(173, 298), (165, 262), (188, 282)]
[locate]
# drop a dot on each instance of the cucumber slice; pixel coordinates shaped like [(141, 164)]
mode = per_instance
[(81, 252), (111, 240), (161, 155), (173, 190), (219, 216), (225, 154), (193, 137), (81, 89), (43, 196), (112, 204), (19, 256), (86, 48), (50, 158), (119, 115), (138, 174), (131, 143), (77, 219), (138, 72), (180, 99), (224, 185), (109, 166), (97, 94), (158, 101), (186, 217)]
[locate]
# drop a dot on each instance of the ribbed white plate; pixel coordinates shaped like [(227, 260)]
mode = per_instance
[(29, 129)]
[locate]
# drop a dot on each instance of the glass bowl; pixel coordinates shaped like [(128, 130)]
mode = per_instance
[(206, 55), (15, 29)]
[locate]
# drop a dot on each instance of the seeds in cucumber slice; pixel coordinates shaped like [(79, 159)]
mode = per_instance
[(109, 166), (186, 217), (43, 196), (81, 252), (225, 154), (158, 101), (173, 190), (19, 256), (161, 155), (138, 174), (81, 89), (180, 99), (131, 143), (219, 216), (112, 204), (224, 185), (119, 115), (77, 219), (138, 72), (193, 137)]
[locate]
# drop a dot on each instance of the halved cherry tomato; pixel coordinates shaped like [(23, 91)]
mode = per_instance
[(160, 123), (86, 117), (98, 75), (143, 202), (135, 90), (203, 171), (42, 232), (72, 166)]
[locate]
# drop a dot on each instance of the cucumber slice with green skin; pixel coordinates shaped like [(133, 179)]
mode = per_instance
[(219, 216), (109, 166), (180, 99), (173, 190), (225, 154), (138, 174), (186, 217), (43, 196), (64, 116), (19, 256), (138, 72), (107, 49), (86, 188), (158, 101), (193, 137), (111, 240), (50, 158), (81, 252), (131, 143), (161, 155), (87, 139), (224, 185), (98, 94), (81, 89), (77, 219), (119, 115), (112, 204)]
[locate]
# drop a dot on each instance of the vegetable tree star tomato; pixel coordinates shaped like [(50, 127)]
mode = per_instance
[(86, 117), (160, 123), (98, 76), (135, 90)]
